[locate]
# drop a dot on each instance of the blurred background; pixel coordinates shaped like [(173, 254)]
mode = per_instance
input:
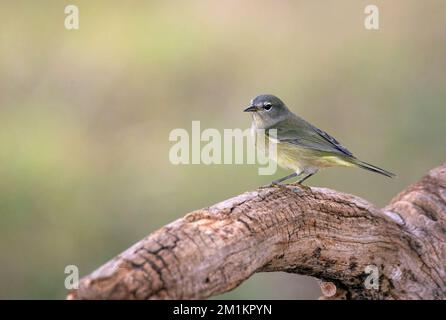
[(85, 116)]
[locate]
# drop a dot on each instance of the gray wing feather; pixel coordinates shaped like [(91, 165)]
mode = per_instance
[(333, 141), (299, 132)]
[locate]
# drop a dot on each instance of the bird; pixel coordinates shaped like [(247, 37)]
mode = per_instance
[(301, 147)]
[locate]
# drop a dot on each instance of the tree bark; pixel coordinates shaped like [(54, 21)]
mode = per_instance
[(333, 236)]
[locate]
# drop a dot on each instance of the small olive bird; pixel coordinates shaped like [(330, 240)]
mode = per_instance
[(301, 146)]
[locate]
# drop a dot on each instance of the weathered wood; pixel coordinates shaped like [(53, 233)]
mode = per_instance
[(317, 232)]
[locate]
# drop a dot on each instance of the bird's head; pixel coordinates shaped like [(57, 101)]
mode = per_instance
[(267, 110)]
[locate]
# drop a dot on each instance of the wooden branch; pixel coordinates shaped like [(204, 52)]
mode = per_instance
[(317, 232)]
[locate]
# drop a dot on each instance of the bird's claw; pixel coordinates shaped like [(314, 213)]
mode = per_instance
[(303, 187), (272, 185), (298, 187)]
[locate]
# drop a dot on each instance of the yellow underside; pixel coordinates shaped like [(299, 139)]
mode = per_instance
[(300, 159)]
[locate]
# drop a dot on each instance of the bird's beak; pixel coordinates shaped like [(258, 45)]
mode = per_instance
[(251, 109)]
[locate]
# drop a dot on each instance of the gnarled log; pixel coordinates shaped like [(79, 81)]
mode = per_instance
[(311, 231)]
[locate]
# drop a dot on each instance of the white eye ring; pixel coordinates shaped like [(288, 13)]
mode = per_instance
[(267, 106)]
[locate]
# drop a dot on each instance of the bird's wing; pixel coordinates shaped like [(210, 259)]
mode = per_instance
[(333, 141), (299, 132)]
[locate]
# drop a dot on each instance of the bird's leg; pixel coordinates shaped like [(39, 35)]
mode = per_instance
[(278, 181), (305, 178)]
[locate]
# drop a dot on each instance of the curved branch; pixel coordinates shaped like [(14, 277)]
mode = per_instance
[(311, 231)]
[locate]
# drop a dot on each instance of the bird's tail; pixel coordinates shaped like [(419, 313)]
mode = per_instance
[(368, 166)]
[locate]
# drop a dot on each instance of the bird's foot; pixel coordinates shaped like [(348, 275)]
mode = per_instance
[(273, 184), (301, 187)]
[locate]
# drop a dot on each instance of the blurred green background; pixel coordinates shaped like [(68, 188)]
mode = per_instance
[(85, 116)]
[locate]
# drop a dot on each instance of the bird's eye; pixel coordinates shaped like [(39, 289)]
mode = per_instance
[(267, 106)]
